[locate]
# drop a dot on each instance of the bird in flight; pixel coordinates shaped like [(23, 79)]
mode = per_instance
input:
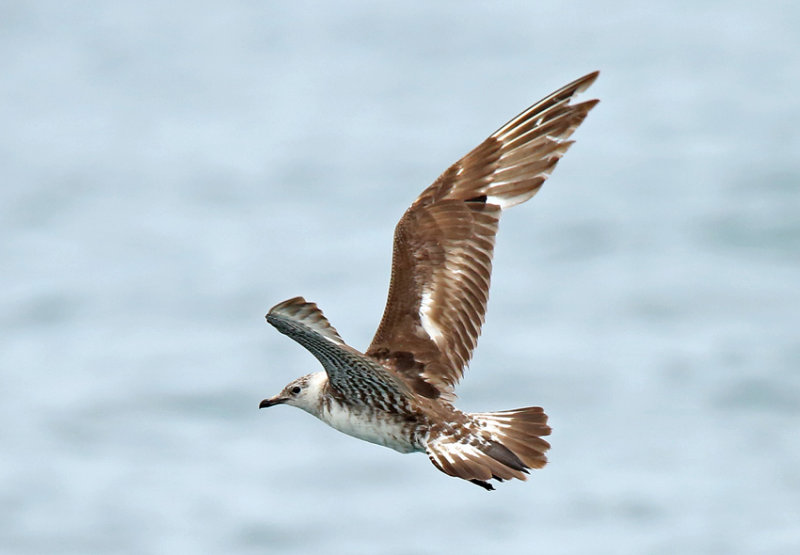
[(399, 393)]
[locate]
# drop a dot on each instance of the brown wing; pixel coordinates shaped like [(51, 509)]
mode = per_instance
[(443, 244)]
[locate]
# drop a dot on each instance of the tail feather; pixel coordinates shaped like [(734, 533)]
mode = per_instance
[(503, 445), (521, 431)]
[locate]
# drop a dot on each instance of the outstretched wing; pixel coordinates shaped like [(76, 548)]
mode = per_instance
[(443, 244), (356, 377)]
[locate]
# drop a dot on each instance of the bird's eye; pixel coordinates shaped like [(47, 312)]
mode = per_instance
[(296, 389)]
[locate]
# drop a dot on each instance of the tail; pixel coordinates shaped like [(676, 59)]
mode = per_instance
[(495, 445)]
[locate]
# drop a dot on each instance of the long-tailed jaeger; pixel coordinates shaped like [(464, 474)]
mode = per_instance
[(400, 392)]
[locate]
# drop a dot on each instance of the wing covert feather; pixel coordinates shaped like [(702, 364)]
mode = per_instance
[(443, 244)]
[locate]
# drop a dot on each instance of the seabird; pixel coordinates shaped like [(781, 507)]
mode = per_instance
[(399, 392)]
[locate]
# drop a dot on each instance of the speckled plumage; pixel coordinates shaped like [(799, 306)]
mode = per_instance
[(399, 392)]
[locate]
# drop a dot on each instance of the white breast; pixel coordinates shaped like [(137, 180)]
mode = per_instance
[(379, 428)]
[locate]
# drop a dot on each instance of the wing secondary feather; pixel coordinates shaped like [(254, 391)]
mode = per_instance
[(443, 244), (354, 377)]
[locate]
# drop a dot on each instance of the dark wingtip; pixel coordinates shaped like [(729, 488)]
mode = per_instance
[(485, 485), (588, 79)]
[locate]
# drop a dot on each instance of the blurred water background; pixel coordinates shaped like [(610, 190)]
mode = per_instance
[(170, 170)]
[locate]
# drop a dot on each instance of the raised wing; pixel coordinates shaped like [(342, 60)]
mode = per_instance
[(357, 378), (443, 244)]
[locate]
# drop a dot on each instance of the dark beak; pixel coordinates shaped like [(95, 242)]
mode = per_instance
[(271, 402)]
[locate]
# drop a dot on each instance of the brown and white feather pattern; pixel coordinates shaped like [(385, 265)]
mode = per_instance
[(398, 393), (444, 243), (490, 445), (357, 378)]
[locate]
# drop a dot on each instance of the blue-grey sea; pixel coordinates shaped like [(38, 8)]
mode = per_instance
[(170, 170)]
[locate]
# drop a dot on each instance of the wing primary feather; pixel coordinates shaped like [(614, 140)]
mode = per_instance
[(444, 243)]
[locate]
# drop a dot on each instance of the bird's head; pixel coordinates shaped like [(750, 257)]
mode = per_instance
[(303, 393)]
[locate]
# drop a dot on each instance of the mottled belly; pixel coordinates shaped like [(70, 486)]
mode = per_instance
[(376, 427)]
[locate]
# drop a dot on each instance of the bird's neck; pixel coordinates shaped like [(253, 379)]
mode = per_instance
[(317, 393)]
